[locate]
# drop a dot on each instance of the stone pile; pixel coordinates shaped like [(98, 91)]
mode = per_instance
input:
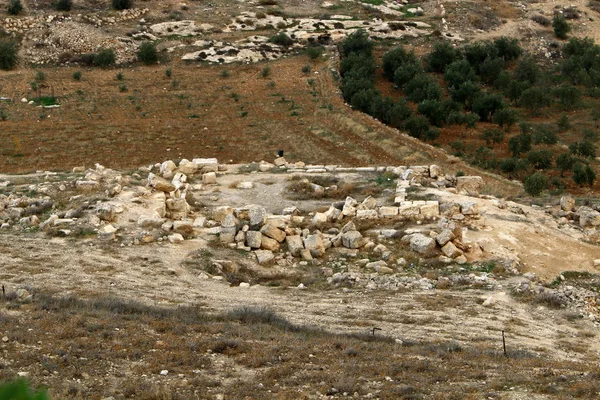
[(585, 217)]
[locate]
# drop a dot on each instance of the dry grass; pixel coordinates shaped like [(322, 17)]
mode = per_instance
[(73, 346)]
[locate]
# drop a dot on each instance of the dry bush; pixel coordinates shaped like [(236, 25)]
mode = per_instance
[(542, 20)]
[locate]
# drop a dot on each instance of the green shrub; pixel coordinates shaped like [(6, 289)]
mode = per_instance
[(565, 162), (505, 118), (314, 52), (417, 126), (281, 39), (437, 111), (306, 69), (540, 159), (119, 76), (357, 42), (544, 135), (122, 4), (561, 26), (14, 7), (406, 72), (265, 72), (442, 55), (423, 87), (527, 70), (583, 149), (363, 99), (396, 58), (8, 54), (20, 390), (63, 5), (105, 58), (563, 123), (147, 53), (583, 175), (476, 53), (399, 114), (536, 184), (465, 93), (358, 65), (490, 69), (508, 49), (457, 118), (458, 73), (508, 165), (168, 72), (533, 99), (568, 96), (487, 104), (492, 136), (519, 144), (77, 75)]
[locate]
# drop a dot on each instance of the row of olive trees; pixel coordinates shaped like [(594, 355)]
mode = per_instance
[(15, 7)]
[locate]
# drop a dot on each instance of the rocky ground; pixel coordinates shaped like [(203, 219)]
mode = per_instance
[(409, 250), (394, 273)]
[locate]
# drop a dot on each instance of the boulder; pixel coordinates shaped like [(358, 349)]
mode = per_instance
[(150, 221), (87, 186), (470, 185), (264, 166), (257, 216), (167, 168), (161, 185), (187, 167), (206, 164), (269, 244), (349, 208), (450, 250), (228, 229), (375, 264), (435, 171), (444, 237), (319, 218), (306, 255), (348, 227), (422, 244), (221, 212), (178, 208), (245, 185), (280, 161), (368, 204), (314, 243), (264, 256), (352, 240), (273, 232), (332, 214), (294, 244), (367, 214), (253, 239), (209, 178), (588, 216), (388, 212), (430, 210), (469, 208), (175, 238), (184, 228), (567, 203)]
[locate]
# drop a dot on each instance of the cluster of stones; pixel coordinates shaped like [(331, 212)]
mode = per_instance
[(124, 15), (585, 217), (251, 49), (337, 27), (23, 24)]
